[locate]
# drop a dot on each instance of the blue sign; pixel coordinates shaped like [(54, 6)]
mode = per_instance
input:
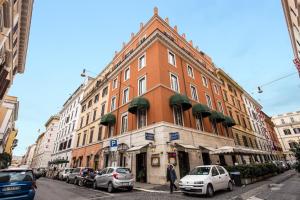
[(174, 136), (149, 136), (114, 143)]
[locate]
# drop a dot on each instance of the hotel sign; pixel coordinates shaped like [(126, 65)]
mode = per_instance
[(149, 136), (174, 136)]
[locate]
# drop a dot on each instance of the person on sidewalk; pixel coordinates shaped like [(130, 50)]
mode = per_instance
[(171, 176)]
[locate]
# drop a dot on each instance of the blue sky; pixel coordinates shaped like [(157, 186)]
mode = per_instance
[(248, 39)]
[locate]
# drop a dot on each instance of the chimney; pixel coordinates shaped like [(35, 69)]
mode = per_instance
[(141, 25), (167, 20), (123, 45), (183, 35), (175, 28), (155, 11), (116, 52), (191, 42), (132, 35)]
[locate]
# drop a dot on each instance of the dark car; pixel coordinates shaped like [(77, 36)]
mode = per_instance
[(17, 184)]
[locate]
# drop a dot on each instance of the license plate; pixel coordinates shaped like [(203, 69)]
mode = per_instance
[(125, 183), (10, 189), (188, 188)]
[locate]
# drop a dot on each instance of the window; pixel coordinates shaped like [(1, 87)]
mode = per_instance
[(174, 83), (102, 109), (229, 87), (124, 126), (232, 99), (194, 93), (90, 103), (199, 123), (220, 107), (78, 140), (225, 95), (100, 133), (214, 126), (178, 119), (125, 95), (84, 138), (292, 144), (171, 58), (292, 119), (87, 118), (282, 121), (216, 88), (245, 141), (110, 131), (114, 84), (94, 115), (126, 74), (83, 108), (238, 119), (96, 99), (204, 81), (239, 104), (113, 104), (142, 61), (104, 91), (81, 122), (221, 170), (296, 130), (91, 135), (287, 132), (190, 71), (141, 118), (208, 100), (214, 172), (142, 85)]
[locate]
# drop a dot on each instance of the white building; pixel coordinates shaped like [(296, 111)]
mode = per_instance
[(287, 127), (69, 117), (45, 144), (263, 140), (29, 155)]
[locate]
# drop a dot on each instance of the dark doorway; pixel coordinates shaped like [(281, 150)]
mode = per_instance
[(233, 159), (106, 159), (184, 163), (222, 160), (206, 159), (141, 167), (122, 160)]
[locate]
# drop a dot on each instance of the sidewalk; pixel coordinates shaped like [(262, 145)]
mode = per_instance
[(147, 187)]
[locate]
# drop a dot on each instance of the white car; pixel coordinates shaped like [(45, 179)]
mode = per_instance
[(206, 179)]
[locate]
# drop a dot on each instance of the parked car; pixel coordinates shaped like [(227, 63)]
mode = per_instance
[(114, 178), (17, 183), (206, 179), (63, 174), (76, 176)]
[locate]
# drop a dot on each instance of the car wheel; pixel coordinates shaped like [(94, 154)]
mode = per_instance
[(75, 181), (67, 180), (110, 188), (130, 189), (230, 186), (80, 183), (95, 186), (209, 190)]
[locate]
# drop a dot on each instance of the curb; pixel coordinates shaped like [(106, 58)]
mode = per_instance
[(155, 191), (285, 178)]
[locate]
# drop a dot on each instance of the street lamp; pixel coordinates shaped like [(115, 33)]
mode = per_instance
[(84, 73)]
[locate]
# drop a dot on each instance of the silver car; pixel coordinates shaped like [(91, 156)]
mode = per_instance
[(114, 178), (63, 174)]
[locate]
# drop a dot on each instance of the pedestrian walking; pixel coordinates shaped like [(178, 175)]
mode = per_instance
[(171, 176)]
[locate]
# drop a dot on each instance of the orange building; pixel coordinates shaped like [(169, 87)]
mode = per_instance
[(164, 105)]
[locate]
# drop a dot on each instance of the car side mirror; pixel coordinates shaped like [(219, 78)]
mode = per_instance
[(99, 173)]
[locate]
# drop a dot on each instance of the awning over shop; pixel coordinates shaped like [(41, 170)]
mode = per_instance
[(217, 116), (186, 147), (207, 148), (180, 100), (138, 149), (138, 103), (108, 119), (236, 150), (200, 109), (229, 122), (224, 150)]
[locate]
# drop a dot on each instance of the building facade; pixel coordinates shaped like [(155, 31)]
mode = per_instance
[(8, 116), (164, 105), (37, 155), (69, 117), (287, 127), (15, 19), (27, 158)]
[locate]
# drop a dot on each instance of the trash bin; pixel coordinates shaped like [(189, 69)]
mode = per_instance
[(236, 177)]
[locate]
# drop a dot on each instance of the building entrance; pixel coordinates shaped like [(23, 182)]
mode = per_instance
[(141, 167), (184, 163)]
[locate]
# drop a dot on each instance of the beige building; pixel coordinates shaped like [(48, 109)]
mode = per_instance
[(8, 116), (15, 19), (287, 127), (27, 158), (37, 155)]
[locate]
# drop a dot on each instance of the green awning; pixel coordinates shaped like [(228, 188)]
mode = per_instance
[(180, 100), (108, 119), (229, 121), (200, 109), (138, 103), (217, 116)]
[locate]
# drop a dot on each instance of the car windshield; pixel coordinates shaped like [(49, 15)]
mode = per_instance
[(123, 170), (15, 176), (200, 171)]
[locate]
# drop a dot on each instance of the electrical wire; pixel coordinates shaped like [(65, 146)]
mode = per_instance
[(288, 75)]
